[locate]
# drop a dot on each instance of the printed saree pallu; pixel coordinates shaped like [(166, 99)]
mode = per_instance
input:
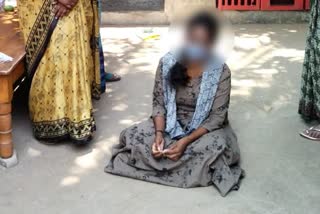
[(63, 62)]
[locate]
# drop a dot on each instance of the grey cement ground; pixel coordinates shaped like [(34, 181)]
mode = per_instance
[(283, 175)]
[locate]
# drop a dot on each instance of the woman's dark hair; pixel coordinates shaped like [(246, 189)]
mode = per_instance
[(178, 73)]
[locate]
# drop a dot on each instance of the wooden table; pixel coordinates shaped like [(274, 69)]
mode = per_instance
[(11, 43)]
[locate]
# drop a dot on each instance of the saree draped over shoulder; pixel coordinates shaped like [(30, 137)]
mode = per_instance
[(309, 106), (63, 62), (213, 159)]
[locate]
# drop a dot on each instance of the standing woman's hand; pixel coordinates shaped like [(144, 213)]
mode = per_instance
[(60, 10), (68, 3)]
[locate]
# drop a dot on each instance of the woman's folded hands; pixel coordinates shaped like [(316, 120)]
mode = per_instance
[(174, 152)]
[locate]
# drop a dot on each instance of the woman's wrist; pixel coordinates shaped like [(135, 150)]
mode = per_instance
[(186, 140), (159, 133)]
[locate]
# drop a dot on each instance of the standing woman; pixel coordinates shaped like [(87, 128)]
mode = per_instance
[(309, 106), (62, 59)]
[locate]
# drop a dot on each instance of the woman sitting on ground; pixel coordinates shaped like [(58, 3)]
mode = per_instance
[(188, 142)]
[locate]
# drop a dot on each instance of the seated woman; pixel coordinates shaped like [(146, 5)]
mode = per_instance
[(188, 142)]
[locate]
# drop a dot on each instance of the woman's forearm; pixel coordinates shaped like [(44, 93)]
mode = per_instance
[(159, 124), (196, 134)]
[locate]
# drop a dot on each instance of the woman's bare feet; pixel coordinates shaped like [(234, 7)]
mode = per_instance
[(312, 133)]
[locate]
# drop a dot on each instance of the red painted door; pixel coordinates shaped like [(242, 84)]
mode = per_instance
[(239, 4), (307, 5)]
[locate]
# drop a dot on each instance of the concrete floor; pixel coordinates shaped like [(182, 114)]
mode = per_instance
[(283, 175)]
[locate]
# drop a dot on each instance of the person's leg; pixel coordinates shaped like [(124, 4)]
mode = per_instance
[(105, 76)]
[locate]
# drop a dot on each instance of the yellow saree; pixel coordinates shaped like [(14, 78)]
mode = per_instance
[(63, 60)]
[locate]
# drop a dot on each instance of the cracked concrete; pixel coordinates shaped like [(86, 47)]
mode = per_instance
[(283, 175)]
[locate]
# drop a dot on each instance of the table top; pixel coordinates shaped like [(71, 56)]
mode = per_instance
[(11, 41)]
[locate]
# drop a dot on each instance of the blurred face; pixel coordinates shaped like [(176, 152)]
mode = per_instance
[(199, 35), (198, 45)]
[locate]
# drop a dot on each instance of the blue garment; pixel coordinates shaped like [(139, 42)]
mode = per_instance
[(101, 56), (195, 52), (208, 89)]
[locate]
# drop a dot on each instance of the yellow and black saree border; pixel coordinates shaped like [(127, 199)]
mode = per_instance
[(79, 132), (39, 36)]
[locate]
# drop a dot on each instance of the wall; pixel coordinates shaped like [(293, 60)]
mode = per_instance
[(179, 9), (133, 5), (159, 12), (175, 10)]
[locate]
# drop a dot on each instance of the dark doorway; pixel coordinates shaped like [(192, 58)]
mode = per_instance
[(282, 2)]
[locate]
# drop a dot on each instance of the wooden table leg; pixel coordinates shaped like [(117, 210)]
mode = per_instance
[(6, 93)]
